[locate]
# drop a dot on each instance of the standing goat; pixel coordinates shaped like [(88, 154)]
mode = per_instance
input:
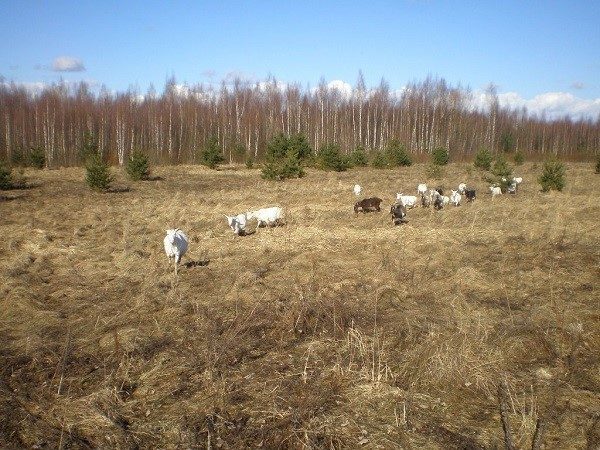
[(357, 189), (176, 244), (237, 223)]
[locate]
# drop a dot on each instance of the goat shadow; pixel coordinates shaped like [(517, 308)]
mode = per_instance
[(199, 263), (10, 198)]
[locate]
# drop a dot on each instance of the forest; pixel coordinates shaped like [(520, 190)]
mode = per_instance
[(172, 127)]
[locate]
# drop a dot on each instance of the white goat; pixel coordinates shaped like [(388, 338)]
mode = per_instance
[(517, 180), (176, 244), (409, 201), (455, 198), (266, 216), (495, 190), (357, 189), (445, 199), (422, 189), (462, 187), (237, 223)]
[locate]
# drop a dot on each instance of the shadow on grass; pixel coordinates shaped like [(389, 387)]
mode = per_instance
[(199, 263), (10, 198)]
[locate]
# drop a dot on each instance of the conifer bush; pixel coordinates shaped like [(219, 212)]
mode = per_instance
[(378, 160), (519, 158), (5, 176), (138, 167), (440, 156), (88, 148), (358, 158), (553, 175), (282, 168), (249, 162), (396, 154), (598, 164), (503, 173), (211, 155), (285, 155), (330, 158), (98, 175), (17, 158), (483, 159)]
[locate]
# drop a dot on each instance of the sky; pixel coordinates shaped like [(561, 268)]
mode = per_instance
[(541, 54)]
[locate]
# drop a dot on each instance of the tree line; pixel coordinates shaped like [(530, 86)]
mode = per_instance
[(177, 124)]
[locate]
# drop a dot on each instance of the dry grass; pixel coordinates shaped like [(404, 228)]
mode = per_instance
[(334, 331)]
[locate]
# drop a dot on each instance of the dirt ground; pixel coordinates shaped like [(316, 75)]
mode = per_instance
[(334, 330)]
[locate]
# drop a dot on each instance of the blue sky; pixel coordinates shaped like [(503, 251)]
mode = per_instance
[(536, 53)]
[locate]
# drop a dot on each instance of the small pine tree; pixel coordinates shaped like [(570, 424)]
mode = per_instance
[(378, 160), (89, 147), (519, 157), (249, 162), (358, 158), (503, 173), (98, 175), (598, 164), (483, 159), (138, 167), (553, 175), (396, 154), (329, 158), (211, 155), (5, 176), (239, 151), (282, 168), (440, 156), (300, 146), (37, 157), (17, 158)]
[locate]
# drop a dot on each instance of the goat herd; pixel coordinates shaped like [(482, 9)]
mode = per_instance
[(176, 242), (427, 197)]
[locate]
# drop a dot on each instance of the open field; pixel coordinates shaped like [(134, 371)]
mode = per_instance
[(333, 331)]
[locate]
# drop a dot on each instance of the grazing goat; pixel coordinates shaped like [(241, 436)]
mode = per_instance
[(462, 187), (512, 188), (495, 190), (368, 204), (518, 180), (470, 194), (398, 212), (437, 199), (425, 200), (176, 244), (455, 198), (237, 223), (266, 216), (422, 189), (445, 199), (439, 190), (409, 201), (357, 189)]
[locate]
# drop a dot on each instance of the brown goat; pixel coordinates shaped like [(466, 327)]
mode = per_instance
[(368, 204)]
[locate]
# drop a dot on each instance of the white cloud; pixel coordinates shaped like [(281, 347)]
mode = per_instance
[(67, 64), (32, 87), (345, 89), (554, 105)]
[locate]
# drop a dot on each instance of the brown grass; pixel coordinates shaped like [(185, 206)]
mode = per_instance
[(333, 331)]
